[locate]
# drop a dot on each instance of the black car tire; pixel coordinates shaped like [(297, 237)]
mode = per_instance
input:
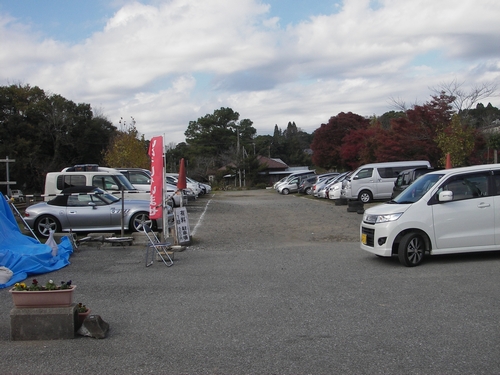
[(365, 196), (138, 220), (308, 191), (285, 191), (44, 224), (411, 249)]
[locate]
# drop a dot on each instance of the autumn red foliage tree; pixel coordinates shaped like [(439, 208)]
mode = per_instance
[(328, 139), (360, 146)]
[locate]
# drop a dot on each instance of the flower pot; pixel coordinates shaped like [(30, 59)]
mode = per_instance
[(82, 316), (43, 298)]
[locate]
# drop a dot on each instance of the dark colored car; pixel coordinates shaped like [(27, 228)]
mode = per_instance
[(406, 178), (305, 186)]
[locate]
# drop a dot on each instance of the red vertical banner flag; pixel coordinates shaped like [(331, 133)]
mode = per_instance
[(156, 199)]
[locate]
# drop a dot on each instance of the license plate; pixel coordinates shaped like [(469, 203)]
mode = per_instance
[(363, 238)]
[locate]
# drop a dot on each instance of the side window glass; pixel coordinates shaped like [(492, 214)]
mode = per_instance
[(365, 173), (73, 201), (406, 178), (387, 172), (400, 180), (137, 178), (467, 186), (496, 183), (66, 181), (95, 198)]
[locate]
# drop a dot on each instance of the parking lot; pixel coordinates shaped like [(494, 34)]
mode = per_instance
[(272, 284)]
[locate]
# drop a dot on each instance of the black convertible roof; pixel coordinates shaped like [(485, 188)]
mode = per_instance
[(78, 189), (62, 198)]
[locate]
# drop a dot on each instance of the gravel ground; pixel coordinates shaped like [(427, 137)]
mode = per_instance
[(272, 284)]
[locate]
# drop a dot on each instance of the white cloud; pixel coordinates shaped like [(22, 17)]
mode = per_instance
[(169, 62)]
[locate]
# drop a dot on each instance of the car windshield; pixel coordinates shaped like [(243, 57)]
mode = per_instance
[(417, 189), (126, 183)]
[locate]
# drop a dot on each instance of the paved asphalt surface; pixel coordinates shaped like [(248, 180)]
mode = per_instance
[(272, 284)]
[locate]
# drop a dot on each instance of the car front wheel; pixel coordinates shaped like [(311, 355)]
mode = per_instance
[(411, 250), (138, 220), (285, 191), (45, 223), (365, 196)]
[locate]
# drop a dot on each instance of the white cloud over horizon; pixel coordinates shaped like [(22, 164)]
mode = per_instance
[(170, 62)]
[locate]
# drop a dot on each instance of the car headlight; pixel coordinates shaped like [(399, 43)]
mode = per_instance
[(376, 219)]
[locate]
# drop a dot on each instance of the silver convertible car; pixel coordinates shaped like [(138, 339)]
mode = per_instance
[(87, 208)]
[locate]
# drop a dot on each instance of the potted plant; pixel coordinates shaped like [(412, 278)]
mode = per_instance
[(83, 312), (38, 295)]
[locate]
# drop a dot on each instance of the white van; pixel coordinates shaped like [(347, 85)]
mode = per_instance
[(442, 212), (376, 181), (108, 179)]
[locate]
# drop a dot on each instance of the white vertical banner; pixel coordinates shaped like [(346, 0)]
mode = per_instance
[(182, 230)]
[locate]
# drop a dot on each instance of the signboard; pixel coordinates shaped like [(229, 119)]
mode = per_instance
[(182, 229), (156, 199)]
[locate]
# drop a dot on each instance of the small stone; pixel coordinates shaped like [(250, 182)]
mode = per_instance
[(94, 326)]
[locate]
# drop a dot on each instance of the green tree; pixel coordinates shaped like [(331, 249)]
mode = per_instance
[(457, 140), (127, 150), (47, 133), (213, 135)]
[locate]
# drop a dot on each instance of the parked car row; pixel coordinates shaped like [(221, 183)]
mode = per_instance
[(290, 184), (307, 183), (378, 181), (88, 198)]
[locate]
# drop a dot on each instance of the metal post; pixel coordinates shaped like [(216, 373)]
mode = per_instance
[(123, 212)]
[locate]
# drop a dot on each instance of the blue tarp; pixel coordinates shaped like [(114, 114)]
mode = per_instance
[(24, 255)]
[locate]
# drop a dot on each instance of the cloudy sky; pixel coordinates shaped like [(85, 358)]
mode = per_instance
[(168, 62)]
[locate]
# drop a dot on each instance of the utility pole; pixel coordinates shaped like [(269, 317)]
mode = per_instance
[(8, 182)]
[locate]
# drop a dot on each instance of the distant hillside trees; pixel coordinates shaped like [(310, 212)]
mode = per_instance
[(47, 133), (423, 132)]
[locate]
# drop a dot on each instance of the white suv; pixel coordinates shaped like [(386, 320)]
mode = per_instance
[(192, 186), (443, 212)]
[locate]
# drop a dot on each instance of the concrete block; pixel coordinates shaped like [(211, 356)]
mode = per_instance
[(51, 323)]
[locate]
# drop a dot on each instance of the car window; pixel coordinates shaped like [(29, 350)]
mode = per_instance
[(82, 200), (67, 181), (387, 172), (467, 186), (171, 180), (138, 178), (418, 189), (104, 182), (365, 173), (400, 181)]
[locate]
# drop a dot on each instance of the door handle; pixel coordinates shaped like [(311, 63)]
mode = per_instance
[(483, 205)]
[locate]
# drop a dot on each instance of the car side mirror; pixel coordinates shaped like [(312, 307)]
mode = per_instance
[(92, 204), (445, 196)]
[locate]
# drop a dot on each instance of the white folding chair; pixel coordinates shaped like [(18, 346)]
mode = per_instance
[(156, 247)]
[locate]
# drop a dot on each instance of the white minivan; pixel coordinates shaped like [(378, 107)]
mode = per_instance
[(108, 179), (376, 181), (443, 212)]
